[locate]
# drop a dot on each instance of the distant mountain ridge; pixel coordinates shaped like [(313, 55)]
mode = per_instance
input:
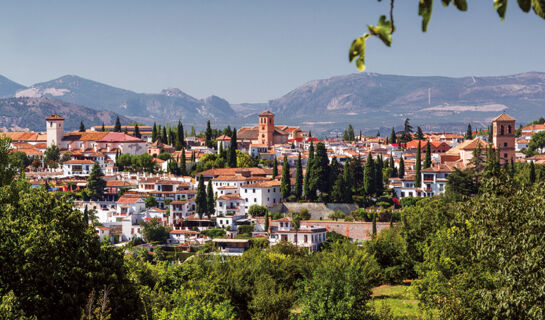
[(368, 101)]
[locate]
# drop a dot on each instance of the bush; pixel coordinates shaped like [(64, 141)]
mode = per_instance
[(304, 214), (214, 233), (245, 229), (257, 210)]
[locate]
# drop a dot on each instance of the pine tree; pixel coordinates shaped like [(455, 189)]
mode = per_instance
[(154, 132), (171, 138), (81, 127), (299, 179), (369, 176), (183, 167), (208, 135), (532, 172), (103, 129), (401, 171), (427, 159), (117, 126), (285, 187), (233, 150), (180, 139), (417, 176), (351, 136), (469, 132), (333, 171), (393, 136), (96, 183), (357, 171), (407, 131), (210, 201), (419, 134), (308, 173), (137, 131), (192, 133), (338, 192), (200, 200), (275, 168)]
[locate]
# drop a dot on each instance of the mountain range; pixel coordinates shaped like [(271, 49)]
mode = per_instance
[(368, 101)]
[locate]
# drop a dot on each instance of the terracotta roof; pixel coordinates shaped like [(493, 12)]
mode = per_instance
[(232, 196), (265, 184), (119, 137), (266, 113), (125, 199), (79, 162), (503, 117), (54, 116), (223, 138), (84, 136), (230, 178)]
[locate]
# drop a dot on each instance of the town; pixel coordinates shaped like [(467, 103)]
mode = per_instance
[(271, 182)]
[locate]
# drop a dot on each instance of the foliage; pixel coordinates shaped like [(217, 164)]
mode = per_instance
[(537, 142), (257, 210), (299, 178), (285, 187), (151, 201), (155, 231), (201, 202), (96, 183), (214, 233), (52, 154)]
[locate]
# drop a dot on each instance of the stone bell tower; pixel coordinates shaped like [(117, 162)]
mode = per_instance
[(266, 128), (55, 129), (503, 134)]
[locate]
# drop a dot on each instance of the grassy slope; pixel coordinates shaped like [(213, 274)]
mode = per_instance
[(400, 299)]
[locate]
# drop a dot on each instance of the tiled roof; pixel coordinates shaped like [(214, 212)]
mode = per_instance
[(54, 116), (266, 113), (503, 117)]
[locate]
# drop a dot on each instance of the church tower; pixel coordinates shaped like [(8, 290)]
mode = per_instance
[(266, 128), (55, 129), (503, 133)]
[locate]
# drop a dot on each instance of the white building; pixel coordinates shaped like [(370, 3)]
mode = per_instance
[(264, 193), (309, 237), (77, 167)]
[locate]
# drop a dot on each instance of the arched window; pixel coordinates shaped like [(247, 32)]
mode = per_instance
[(509, 129), (501, 130)]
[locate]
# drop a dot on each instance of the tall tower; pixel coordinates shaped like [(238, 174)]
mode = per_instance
[(266, 128), (503, 133), (55, 129)]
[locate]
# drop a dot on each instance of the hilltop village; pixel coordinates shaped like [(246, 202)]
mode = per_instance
[(233, 186)]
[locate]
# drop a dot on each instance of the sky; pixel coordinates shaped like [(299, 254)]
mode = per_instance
[(254, 50)]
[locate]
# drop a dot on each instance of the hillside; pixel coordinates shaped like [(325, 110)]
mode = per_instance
[(30, 113), (169, 105), (8, 88), (370, 100)]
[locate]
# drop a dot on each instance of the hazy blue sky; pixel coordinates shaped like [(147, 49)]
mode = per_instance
[(253, 51)]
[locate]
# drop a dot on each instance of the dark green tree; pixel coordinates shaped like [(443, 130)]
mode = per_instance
[(95, 183), (369, 176), (103, 129), (232, 161), (155, 231), (151, 201), (407, 131), (401, 173), (427, 159), (299, 179), (164, 135), (210, 200), (200, 200), (86, 215), (117, 126), (180, 139), (275, 168), (319, 179), (154, 134), (52, 154), (490, 134), (81, 127), (393, 138), (183, 166), (469, 132), (418, 167), (285, 187), (379, 179), (532, 176), (208, 135), (374, 230), (266, 226), (419, 134), (308, 173), (137, 131), (339, 192)]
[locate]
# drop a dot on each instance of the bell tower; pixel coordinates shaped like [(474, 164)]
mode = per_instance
[(266, 128), (55, 129), (503, 134)]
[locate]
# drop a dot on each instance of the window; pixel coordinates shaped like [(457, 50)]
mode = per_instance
[(255, 200), (505, 144), (505, 155), (274, 189), (509, 129), (501, 130), (254, 190), (306, 238)]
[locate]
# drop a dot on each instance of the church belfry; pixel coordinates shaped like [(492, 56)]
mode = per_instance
[(55, 129), (503, 134)]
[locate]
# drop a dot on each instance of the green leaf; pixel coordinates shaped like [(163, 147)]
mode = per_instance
[(539, 7), (383, 30), (461, 5), (525, 5), (500, 6), (424, 10), (446, 2), (357, 49)]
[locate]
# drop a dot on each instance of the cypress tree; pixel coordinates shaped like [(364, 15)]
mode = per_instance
[(103, 129), (490, 135), (320, 170), (392, 165), (171, 138), (125, 131), (233, 150), (512, 168), (275, 168), (348, 179), (417, 177), (401, 173), (333, 171), (419, 134), (299, 178), (173, 168), (407, 131), (210, 201), (393, 136), (379, 180), (285, 187), (357, 171), (208, 135), (427, 159), (532, 172), (183, 167), (86, 215), (192, 133), (338, 192), (200, 200), (180, 139), (154, 132), (220, 151), (117, 126), (469, 132), (374, 224), (266, 227), (369, 176), (193, 156), (137, 131), (164, 135), (308, 172), (81, 127)]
